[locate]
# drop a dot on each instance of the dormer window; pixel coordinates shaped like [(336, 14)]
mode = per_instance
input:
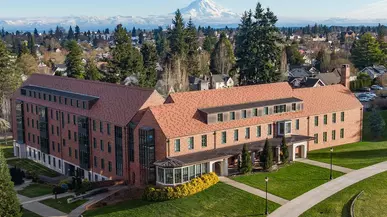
[(244, 114), (284, 128), (255, 112), (266, 111), (220, 117), (232, 116), (279, 109), (294, 107)]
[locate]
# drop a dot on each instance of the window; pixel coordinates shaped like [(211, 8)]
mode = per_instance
[(244, 114), (190, 143), (102, 163), (316, 138), (57, 115), (33, 138), (58, 147), (232, 116), (259, 131), (68, 118), (108, 128), (109, 147), (294, 107), (110, 166), (94, 126), (49, 160), (341, 133), (333, 134), (53, 146), (95, 161), (269, 129), (38, 140), (64, 142), (54, 98), (84, 105), (29, 137), (74, 120), (255, 112), (28, 121), (297, 124), (185, 174), (77, 103), (316, 121), (44, 96), (101, 127), (33, 123), (266, 111), (220, 117), (325, 136), (70, 152), (334, 118), (279, 109), (247, 133), (204, 140), (49, 97), (76, 153), (71, 102), (69, 134), (59, 164), (236, 135), (28, 107), (75, 136), (37, 124), (342, 116), (224, 137), (94, 143), (51, 114), (65, 101), (177, 145), (57, 131), (52, 129), (101, 145), (39, 96), (325, 119)]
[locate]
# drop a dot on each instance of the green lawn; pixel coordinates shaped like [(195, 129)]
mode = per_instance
[(36, 190), (217, 201), (32, 166), (372, 203), (62, 205), (27, 213), (290, 181), (7, 150)]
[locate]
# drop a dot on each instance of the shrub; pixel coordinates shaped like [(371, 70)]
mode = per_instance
[(34, 177), (16, 176), (196, 185), (58, 190)]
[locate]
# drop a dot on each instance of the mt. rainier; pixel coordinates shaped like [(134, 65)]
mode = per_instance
[(207, 9)]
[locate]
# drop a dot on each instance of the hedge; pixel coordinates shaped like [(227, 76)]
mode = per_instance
[(196, 185)]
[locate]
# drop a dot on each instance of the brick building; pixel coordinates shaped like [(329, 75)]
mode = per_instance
[(145, 139)]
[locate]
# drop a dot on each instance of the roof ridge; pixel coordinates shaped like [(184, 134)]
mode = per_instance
[(96, 82)]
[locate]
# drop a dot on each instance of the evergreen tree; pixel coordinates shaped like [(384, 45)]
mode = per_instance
[(177, 36), (222, 57), (323, 61), (293, 55), (209, 43), (377, 124), (366, 52), (148, 77), (193, 47), (36, 33), (58, 33), (24, 49), (257, 51), (2, 32), (107, 31), (284, 151), (9, 204), (134, 32), (246, 164), (77, 31), (70, 35), (141, 38), (91, 71), (267, 156), (75, 68), (125, 60), (162, 43), (31, 44)]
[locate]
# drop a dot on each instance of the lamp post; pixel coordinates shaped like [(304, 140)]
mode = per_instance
[(331, 176), (266, 181)]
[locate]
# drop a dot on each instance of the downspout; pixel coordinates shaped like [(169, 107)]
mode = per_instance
[(91, 160), (168, 148), (214, 139), (361, 123), (126, 154), (308, 132)]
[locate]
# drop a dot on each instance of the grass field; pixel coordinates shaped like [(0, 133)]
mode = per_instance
[(36, 190), (372, 203), (30, 165), (62, 205), (217, 201), (290, 181), (27, 213)]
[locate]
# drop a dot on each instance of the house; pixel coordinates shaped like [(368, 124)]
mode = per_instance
[(198, 83), (374, 71), (305, 82), (220, 81), (298, 73), (133, 134), (59, 68)]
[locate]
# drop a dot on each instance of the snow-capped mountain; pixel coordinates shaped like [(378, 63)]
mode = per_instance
[(203, 12)]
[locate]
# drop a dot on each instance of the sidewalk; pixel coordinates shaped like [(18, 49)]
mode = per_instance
[(26, 200), (311, 198), (325, 165), (254, 191), (43, 210)]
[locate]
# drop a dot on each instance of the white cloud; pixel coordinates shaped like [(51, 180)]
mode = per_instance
[(376, 10)]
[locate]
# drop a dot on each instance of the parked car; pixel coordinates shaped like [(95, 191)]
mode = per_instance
[(364, 89), (376, 87), (364, 99), (371, 95)]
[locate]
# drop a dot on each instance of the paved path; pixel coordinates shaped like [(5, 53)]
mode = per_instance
[(254, 191), (43, 210), (325, 165), (25, 200), (306, 201)]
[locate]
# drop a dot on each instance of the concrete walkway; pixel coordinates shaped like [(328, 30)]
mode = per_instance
[(254, 191), (311, 198), (43, 210), (25, 200), (325, 165)]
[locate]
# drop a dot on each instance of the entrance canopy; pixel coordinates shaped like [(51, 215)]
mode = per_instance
[(222, 153)]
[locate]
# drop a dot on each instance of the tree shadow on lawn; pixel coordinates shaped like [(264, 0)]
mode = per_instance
[(346, 212), (362, 154)]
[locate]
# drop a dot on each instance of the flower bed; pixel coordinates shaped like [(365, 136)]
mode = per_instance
[(190, 188)]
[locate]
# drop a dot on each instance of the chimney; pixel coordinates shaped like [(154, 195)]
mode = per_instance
[(345, 75)]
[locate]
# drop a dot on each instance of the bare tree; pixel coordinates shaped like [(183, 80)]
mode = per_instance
[(4, 127)]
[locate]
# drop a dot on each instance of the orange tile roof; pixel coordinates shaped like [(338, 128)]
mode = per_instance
[(180, 118)]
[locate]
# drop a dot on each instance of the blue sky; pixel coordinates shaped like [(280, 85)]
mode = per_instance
[(283, 8)]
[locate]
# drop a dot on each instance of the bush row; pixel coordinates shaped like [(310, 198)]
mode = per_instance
[(190, 188)]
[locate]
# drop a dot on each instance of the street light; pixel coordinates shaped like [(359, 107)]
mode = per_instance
[(266, 181), (331, 176)]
